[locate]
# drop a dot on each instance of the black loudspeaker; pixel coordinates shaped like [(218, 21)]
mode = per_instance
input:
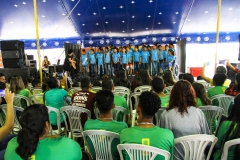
[(12, 54), (12, 45), (9, 72), (13, 63)]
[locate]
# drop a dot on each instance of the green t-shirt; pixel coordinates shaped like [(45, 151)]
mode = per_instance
[(222, 131), (112, 126), (199, 102), (155, 137), (215, 91), (55, 98), (164, 101), (120, 102), (23, 92), (61, 148)]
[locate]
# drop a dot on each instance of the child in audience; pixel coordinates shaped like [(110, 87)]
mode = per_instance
[(121, 79), (188, 77), (227, 131), (157, 87), (143, 78), (218, 81), (36, 83), (92, 59), (105, 104), (168, 78), (234, 89), (201, 94), (136, 59), (146, 132), (182, 116), (32, 141)]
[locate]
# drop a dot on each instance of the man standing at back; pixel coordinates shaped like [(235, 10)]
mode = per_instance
[(84, 98)]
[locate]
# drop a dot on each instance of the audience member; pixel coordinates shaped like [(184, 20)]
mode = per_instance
[(17, 86), (118, 100), (146, 132), (180, 77), (36, 83), (201, 95), (182, 116), (157, 87), (229, 130), (168, 78), (122, 80), (189, 77), (2, 78), (32, 141), (85, 98), (143, 78), (2, 90), (105, 104), (54, 97), (234, 89)]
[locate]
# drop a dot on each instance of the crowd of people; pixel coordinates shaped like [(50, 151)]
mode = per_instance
[(97, 61), (182, 116)]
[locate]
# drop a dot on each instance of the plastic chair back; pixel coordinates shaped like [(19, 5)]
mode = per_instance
[(16, 109), (36, 91), (67, 100), (2, 114), (124, 94), (143, 88), (143, 152), (122, 89), (134, 97), (167, 90), (115, 113), (102, 143), (57, 112), (73, 90), (21, 101), (212, 113), (224, 102), (74, 116), (158, 115), (194, 145), (226, 147), (96, 89), (36, 99)]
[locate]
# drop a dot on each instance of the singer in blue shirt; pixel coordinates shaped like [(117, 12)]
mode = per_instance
[(124, 58), (169, 60), (107, 61), (100, 62), (92, 59), (155, 59), (145, 57), (116, 58), (136, 59)]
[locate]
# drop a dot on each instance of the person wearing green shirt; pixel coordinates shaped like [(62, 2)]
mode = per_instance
[(107, 84), (146, 133), (218, 80), (201, 94), (157, 87), (105, 104), (227, 131), (32, 141)]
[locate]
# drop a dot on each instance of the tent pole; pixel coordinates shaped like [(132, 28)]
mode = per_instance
[(217, 33), (37, 38)]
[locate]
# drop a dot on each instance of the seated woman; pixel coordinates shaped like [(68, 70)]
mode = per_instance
[(182, 116), (46, 62), (168, 78), (143, 78), (234, 89), (54, 97), (32, 141), (229, 130), (201, 95), (146, 132), (121, 79)]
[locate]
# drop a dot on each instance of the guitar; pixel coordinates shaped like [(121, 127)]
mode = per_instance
[(73, 64)]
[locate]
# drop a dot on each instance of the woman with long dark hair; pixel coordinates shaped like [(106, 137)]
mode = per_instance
[(121, 79), (143, 78), (32, 141), (229, 130), (168, 78), (201, 95)]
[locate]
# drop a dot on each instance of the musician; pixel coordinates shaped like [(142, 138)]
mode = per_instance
[(70, 63), (46, 62)]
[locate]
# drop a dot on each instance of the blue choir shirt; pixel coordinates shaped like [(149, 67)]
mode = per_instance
[(84, 59), (92, 58), (136, 56), (145, 56), (100, 58), (165, 55), (107, 57), (129, 56), (161, 55), (155, 55), (170, 58), (124, 58), (115, 57)]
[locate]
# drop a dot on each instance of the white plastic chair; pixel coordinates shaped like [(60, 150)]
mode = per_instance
[(102, 143), (224, 102), (96, 89), (57, 112), (36, 99), (115, 113), (133, 117), (121, 88), (158, 115), (20, 101), (211, 113), (1, 117), (194, 145), (74, 116), (73, 90), (124, 94), (134, 96), (141, 152), (36, 91), (67, 100), (16, 109), (203, 82), (167, 90), (143, 88), (226, 147)]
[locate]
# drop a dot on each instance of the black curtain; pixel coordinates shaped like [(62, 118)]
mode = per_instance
[(181, 55), (76, 50)]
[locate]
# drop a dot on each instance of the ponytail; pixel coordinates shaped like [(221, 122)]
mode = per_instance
[(33, 121)]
